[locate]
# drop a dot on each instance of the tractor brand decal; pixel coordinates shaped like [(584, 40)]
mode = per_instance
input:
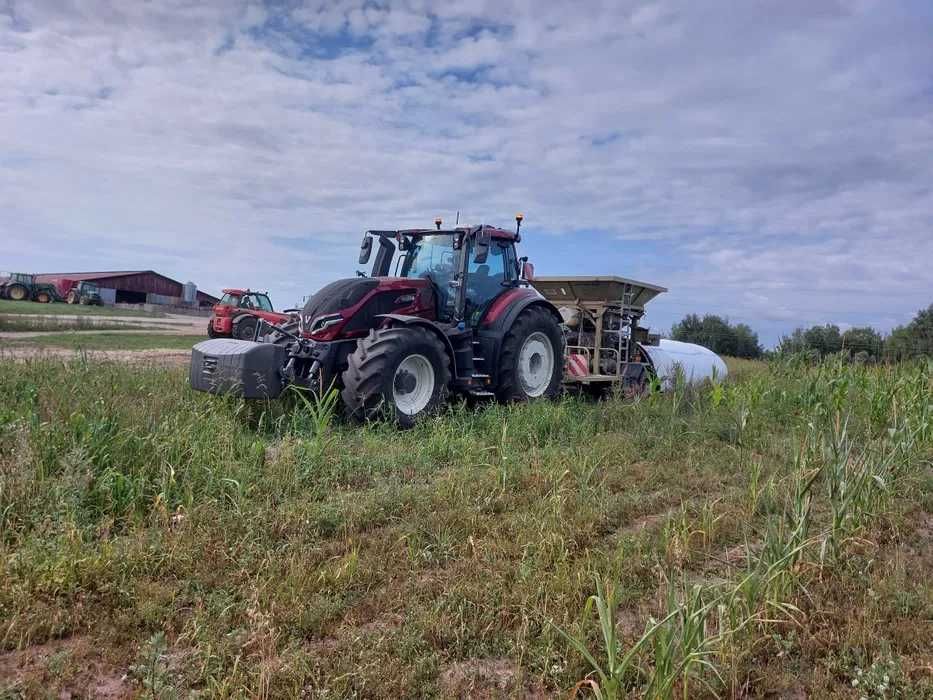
[(577, 365)]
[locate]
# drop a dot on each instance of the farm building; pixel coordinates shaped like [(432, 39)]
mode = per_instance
[(135, 287)]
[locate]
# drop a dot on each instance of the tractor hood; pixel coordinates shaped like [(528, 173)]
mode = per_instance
[(360, 299), (337, 296)]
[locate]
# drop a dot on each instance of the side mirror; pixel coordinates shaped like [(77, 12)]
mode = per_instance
[(366, 249), (528, 271)]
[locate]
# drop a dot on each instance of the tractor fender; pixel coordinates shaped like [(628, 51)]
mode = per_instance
[(430, 325), (235, 320), (501, 316), (503, 312), (239, 317)]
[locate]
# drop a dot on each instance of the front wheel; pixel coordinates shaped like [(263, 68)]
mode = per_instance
[(72, 298), (17, 292), (245, 328), (211, 333), (531, 363), (398, 372), (44, 298)]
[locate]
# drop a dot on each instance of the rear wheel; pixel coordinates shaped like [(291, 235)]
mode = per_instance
[(531, 364), (17, 292), (398, 372), (245, 328), (72, 298)]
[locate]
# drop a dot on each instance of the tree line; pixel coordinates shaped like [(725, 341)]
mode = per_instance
[(861, 343)]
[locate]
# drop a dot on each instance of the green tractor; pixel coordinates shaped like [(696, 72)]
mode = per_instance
[(85, 293), (20, 286)]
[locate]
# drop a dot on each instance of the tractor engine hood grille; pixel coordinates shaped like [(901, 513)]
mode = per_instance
[(337, 296)]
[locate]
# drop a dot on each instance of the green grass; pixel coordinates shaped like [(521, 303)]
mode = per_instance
[(770, 537), (108, 341), (28, 307)]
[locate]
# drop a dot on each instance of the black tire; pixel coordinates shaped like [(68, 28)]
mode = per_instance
[(44, 298), (373, 385), (535, 323), (245, 328), (72, 298), (211, 333), (17, 292)]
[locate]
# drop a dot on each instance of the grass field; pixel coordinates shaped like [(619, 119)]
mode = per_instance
[(772, 537), (108, 341), (27, 307)]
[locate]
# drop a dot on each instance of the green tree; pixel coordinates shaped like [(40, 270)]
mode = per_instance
[(718, 335), (913, 340), (816, 340), (826, 340), (863, 341)]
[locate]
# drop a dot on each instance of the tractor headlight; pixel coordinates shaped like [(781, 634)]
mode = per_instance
[(323, 322)]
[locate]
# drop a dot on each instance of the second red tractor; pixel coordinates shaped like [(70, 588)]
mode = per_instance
[(239, 312)]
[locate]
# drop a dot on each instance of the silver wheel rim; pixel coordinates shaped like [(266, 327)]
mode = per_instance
[(536, 364), (413, 384)]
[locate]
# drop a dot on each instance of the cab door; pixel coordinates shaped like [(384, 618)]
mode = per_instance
[(486, 281)]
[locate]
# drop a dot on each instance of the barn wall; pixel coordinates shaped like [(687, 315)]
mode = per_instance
[(145, 283)]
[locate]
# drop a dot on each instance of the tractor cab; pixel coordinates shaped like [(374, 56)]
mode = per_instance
[(243, 299), (465, 269), (23, 278)]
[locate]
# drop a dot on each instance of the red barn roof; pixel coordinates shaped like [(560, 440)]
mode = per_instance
[(138, 281)]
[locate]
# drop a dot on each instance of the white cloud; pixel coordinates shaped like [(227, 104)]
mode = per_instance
[(780, 151)]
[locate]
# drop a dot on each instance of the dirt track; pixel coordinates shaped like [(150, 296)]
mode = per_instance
[(15, 335), (160, 357), (171, 323)]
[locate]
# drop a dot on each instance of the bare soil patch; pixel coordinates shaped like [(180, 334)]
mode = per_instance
[(485, 679), (645, 522), (72, 666)]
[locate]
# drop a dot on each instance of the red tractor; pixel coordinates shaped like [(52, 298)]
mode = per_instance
[(457, 317), (239, 313)]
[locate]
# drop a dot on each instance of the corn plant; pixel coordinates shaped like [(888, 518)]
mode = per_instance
[(683, 644), (619, 666)]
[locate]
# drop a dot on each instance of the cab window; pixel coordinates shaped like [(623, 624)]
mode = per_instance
[(261, 301), (486, 280)]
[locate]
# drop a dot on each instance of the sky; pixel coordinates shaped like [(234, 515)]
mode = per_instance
[(771, 162)]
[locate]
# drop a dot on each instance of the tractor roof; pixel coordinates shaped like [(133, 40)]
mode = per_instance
[(493, 231), (242, 292)]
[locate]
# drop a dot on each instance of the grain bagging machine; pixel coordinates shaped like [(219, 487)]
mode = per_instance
[(606, 346)]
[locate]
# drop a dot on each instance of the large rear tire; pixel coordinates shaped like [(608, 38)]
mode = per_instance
[(531, 365), (401, 373), (17, 292), (245, 328)]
